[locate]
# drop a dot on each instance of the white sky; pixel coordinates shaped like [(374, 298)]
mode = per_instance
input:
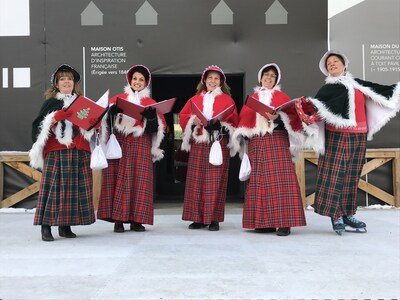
[(337, 6)]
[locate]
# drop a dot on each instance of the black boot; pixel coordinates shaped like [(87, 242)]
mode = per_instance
[(119, 226), (283, 231), (214, 226), (46, 234), (196, 225), (65, 231), (135, 226)]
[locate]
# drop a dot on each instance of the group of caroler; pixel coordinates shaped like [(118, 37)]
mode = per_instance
[(334, 123)]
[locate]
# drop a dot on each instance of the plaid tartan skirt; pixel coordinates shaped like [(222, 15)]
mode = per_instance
[(272, 197), (66, 190), (206, 185), (339, 171), (127, 189)]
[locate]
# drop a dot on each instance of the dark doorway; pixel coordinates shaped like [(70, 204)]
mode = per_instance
[(170, 172)]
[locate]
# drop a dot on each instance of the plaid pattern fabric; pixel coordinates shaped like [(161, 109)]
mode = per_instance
[(272, 196), (127, 189), (66, 190), (206, 185), (338, 174)]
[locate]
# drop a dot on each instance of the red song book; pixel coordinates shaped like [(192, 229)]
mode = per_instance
[(133, 110), (219, 117), (263, 108), (84, 110)]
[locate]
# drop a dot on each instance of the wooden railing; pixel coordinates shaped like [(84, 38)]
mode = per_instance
[(20, 162), (376, 158)]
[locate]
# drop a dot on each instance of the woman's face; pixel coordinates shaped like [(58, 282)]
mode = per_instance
[(138, 82), (65, 84), (268, 79), (213, 80), (335, 66)]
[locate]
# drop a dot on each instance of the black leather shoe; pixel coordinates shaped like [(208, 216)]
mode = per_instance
[(214, 226), (196, 225), (65, 231), (284, 231), (135, 226), (264, 230), (46, 234), (119, 226)]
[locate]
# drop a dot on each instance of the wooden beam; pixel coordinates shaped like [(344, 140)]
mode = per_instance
[(374, 164), (21, 195), (375, 191), (25, 169), (14, 156)]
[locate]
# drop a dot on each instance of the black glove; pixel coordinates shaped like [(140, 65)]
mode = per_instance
[(213, 127), (114, 110), (149, 113), (151, 126)]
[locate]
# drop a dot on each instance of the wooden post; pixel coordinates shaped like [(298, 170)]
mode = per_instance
[(396, 179), (97, 177), (300, 172)]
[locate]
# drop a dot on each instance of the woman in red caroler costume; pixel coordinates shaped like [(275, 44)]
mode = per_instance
[(127, 189), (353, 111), (272, 198), (206, 184), (62, 150)]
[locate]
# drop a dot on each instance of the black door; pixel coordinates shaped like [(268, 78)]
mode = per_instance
[(170, 172)]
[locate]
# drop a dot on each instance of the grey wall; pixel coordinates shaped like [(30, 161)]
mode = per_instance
[(183, 42)]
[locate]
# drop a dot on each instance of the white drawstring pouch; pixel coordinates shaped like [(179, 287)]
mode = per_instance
[(245, 167), (98, 160), (114, 150), (216, 154)]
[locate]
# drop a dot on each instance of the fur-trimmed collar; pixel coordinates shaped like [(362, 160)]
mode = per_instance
[(258, 88), (339, 79), (136, 96), (66, 98)]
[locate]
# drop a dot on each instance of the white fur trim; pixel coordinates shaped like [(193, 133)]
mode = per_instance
[(187, 134), (156, 140), (145, 93), (378, 116), (257, 89), (125, 125), (65, 137), (36, 153), (379, 110), (262, 127), (230, 145), (330, 117)]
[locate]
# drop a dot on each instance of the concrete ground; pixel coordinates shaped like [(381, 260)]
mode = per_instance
[(168, 261)]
